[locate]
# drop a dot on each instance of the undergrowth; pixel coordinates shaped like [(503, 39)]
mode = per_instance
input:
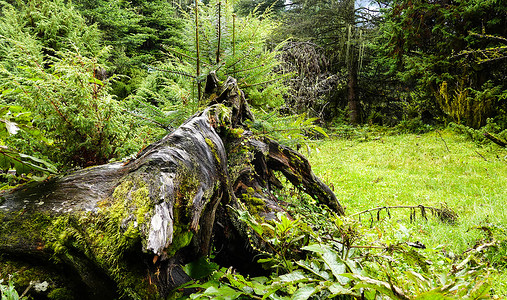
[(401, 250), (318, 255)]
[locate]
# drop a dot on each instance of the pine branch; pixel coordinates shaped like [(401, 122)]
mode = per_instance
[(248, 69), (261, 83), (489, 36), (178, 52), (170, 71)]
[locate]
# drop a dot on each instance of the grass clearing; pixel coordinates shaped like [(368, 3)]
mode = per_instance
[(428, 169)]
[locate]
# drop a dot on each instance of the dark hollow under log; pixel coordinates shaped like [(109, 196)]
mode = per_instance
[(124, 230)]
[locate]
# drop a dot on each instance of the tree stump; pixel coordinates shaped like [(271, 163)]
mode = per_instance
[(124, 230)]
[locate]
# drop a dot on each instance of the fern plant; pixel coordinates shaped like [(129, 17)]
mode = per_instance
[(50, 64)]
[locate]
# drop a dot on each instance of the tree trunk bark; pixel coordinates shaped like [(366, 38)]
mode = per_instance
[(351, 93), (125, 229), (353, 103)]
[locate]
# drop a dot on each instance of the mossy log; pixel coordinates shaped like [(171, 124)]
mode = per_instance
[(124, 230)]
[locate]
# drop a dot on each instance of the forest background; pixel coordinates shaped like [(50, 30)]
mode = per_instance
[(87, 82)]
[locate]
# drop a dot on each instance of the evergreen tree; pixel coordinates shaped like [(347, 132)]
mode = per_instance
[(136, 30), (451, 55), (338, 27), (50, 65), (224, 43)]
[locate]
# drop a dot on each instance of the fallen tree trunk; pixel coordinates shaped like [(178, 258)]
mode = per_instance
[(495, 140), (123, 230)]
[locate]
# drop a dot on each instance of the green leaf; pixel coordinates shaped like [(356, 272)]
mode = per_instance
[(314, 268), (337, 289), (382, 287), (259, 285), (222, 293), (304, 293), (332, 260), (23, 163), (96, 81), (320, 130), (245, 216), (317, 248), (200, 268), (480, 290), (292, 277)]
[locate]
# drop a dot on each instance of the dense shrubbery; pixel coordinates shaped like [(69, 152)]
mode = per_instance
[(51, 66)]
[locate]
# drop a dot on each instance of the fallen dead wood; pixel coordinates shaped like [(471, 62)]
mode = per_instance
[(495, 140), (124, 230)]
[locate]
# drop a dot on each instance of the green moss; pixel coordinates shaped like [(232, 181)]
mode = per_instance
[(213, 149), (253, 204), (60, 294), (20, 228), (108, 234), (182, 238)]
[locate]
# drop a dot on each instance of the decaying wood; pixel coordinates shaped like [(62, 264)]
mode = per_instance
[(124, 230), (495, 140)]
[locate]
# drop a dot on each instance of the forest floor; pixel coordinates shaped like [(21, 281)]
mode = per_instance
[(432, 169)]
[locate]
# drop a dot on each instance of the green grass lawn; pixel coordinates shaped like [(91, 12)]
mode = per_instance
[(428, 169)]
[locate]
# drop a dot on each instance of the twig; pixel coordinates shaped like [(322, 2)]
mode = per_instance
[(388, 207), (480, 155), (443, 141), (170, 71), (26, 290), (445, 214)]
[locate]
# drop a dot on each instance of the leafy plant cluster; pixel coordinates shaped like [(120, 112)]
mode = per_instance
[(51, 66), (102, 79), (14, 120), (326, 256), (8, 291), (450, 56)]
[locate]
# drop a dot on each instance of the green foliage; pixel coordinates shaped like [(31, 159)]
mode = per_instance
[(337, 259), (294, 130), (7, 292), (13, 121), (415, 125), (317, 255), (452, 54), (71, 106), (50, 66), (40, 28), (229, 45), (136, 30), (477, 135)]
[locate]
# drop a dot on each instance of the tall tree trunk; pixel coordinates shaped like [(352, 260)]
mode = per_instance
[(353, 103), (124, 230), (352, 100)]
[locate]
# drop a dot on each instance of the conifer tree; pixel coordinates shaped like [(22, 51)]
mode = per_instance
[(230, 46), (50, 64)]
